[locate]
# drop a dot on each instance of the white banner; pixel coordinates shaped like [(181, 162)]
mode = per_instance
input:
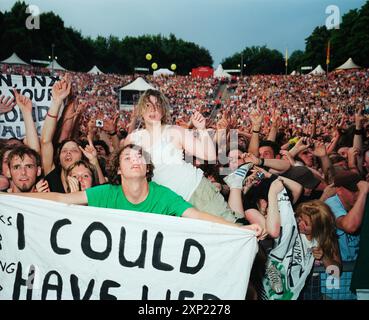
[(38, 89), (50, 250)]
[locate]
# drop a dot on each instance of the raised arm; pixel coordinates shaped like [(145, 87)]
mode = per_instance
[(132, 124), (25, 105), (276, 120), (351, 222), (198, 143), (60, 91), (358, 139), (6, 104), (110, 127), (320, 151), (256, 117), (273, 220), (279, 165), (300, 145), (91, 154)]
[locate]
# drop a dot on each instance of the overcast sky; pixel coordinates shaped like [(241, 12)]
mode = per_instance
[(221, 26)]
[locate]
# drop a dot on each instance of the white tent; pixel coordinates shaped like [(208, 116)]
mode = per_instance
[(349, 64), (130, 94), (95, 70), (220, 73), (318, 71), (14, 59), (57, 66), (163, 71), (138, 85)]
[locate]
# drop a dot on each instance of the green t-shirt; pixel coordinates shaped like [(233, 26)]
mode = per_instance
[(160, 200)]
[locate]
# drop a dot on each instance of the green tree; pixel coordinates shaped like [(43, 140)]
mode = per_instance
[(258, 60), (78, 53), (296, 60), (316, 47)]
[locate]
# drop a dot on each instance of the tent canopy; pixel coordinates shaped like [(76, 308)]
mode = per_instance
[(129, 95), (163, 71), (138, 85), (349, 64), (220, 73), (57, 66), (318, 70), (14, 59), (95, 70)]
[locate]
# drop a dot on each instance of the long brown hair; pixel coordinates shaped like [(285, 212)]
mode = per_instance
[(163, 104), (323, 226)]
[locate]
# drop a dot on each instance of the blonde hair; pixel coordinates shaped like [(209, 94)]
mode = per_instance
[(163, 104), (323, 226)]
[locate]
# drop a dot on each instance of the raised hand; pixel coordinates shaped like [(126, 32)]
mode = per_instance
[(198, 120), (6, 104), (61, 90), (42, 186), (276, 118), (182, 123), (363, 186), (359, 118), (24, 103), (91, 127), (302, 144), (256, 117), (110, 125), (89, 151), (250, 157), (251, 181), (319, 149), (222, 124), (73, 184)]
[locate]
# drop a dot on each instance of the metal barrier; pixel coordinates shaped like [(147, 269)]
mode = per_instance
[(316, 289)]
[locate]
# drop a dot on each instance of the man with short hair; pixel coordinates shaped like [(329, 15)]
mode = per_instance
[(24, 169)]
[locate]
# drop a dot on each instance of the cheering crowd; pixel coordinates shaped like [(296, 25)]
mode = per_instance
[(284, 156)]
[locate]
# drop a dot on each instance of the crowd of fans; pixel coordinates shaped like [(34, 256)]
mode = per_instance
[(300, 139)]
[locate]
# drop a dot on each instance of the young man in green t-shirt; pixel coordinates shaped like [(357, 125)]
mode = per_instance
[(131, 189)]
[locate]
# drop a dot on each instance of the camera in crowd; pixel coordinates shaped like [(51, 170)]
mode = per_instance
[(99, 123)]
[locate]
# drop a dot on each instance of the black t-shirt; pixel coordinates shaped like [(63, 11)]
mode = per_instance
[(54, 180)]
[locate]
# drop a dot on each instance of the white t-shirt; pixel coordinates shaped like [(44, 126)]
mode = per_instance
[(170, 168), (291, 256)]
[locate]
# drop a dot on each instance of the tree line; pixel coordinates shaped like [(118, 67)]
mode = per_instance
[(76, 52), (351, 39)]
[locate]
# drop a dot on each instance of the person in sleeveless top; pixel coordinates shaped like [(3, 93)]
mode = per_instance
[(167, 145)]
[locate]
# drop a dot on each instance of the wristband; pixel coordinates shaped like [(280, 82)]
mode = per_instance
[(261, 163), (112, 134), (51, 116), (255, 131), (358, 132)]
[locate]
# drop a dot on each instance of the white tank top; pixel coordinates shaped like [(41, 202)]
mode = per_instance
[(170, 168)]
